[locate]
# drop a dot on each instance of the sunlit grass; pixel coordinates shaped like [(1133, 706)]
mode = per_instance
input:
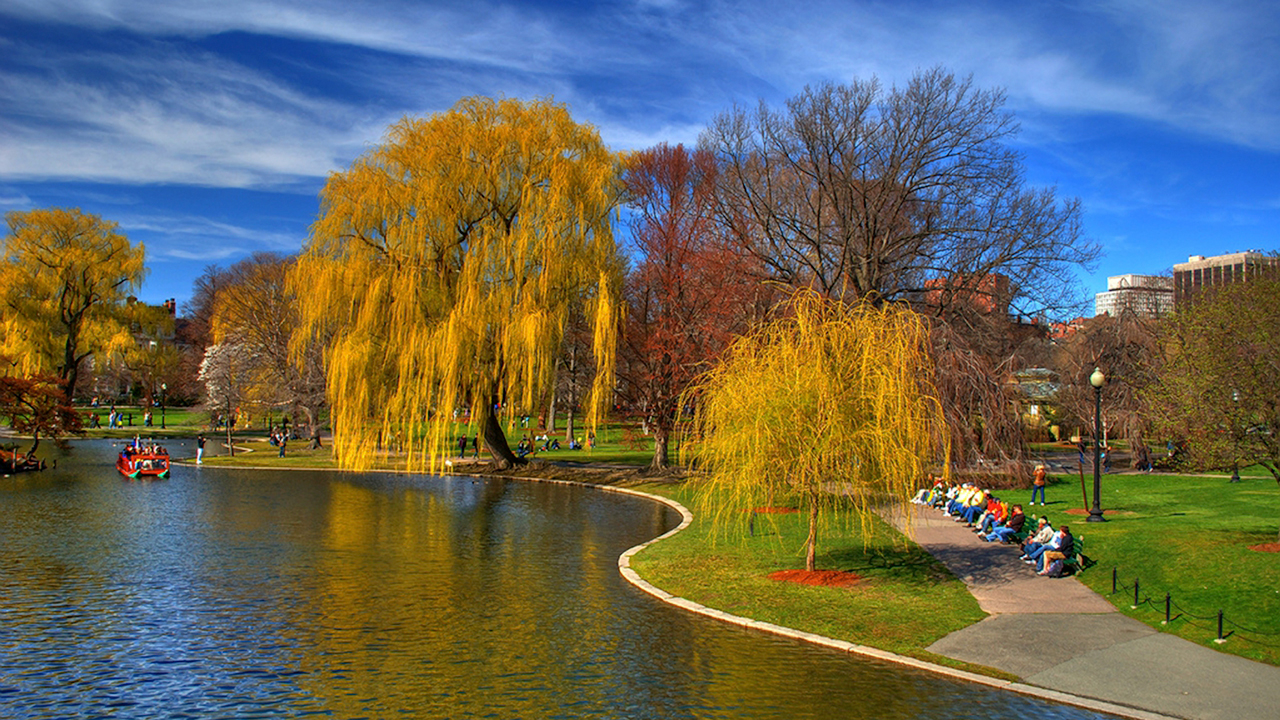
[(906, 602), (1189, 536)]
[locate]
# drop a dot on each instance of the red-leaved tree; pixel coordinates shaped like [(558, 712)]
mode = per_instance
[(37, 407), (687, 295)]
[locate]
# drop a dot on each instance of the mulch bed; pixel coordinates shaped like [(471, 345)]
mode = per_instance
[(824, 578), (1267, 547)]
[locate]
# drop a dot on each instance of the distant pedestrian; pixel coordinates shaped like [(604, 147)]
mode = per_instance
[(199, 449), (462, 446), (475, 446), (1037, 485), (283, 442)]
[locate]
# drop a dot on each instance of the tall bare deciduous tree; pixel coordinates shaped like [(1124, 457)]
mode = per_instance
[(865, 193), (255, 309), (1125, 348)]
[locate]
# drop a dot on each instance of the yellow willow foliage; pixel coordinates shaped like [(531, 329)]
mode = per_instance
[(831, 402), (65, 280), (443, 266)]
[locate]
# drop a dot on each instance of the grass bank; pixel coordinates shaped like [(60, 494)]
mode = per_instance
[(905, 602), (1188, 536)]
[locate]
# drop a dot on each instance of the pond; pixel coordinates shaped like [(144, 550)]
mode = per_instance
[(245, 594)]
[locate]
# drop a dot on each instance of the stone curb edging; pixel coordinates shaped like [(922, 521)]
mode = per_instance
[(624, 568)]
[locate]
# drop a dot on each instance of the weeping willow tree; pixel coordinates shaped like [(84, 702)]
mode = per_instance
[(66, 277), (832, 402), (442, 269)]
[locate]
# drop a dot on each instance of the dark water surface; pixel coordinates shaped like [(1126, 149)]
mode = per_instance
[(238, 594)]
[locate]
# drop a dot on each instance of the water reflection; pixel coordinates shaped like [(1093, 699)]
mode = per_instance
[(244, 594)]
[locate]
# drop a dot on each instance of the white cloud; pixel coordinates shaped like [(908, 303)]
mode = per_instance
[(170, 118), (653, 71), (199, 238)]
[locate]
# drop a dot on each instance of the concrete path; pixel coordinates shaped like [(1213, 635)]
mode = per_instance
[(1059, 634)]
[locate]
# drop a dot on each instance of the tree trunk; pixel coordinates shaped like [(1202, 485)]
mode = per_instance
[(661, 459), (70, 366), (811, 543), (568, 424), (1275, 473), (231, 446), (551, 414), (495, 441)]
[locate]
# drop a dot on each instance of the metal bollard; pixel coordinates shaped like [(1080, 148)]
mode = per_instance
[(1220, 639), (1113, 581), (1167, 603), (1135, 595)]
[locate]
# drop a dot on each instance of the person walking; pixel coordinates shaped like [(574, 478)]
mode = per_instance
[(1037, 484), (199, 449)]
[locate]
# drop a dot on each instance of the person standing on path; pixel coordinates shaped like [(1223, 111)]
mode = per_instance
[(1037, 485), (199, 449)]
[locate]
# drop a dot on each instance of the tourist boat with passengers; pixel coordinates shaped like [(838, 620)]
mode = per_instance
[(138, 460)]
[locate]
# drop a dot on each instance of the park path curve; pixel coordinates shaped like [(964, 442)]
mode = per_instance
[(1060, 635)]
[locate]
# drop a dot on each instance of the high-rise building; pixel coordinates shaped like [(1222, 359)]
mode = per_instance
[(1145, 295), (1200, 272)]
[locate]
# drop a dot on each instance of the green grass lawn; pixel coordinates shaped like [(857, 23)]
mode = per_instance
[(614, 446), (617, 443), (178, 422), (906, 601), (1189, 536)]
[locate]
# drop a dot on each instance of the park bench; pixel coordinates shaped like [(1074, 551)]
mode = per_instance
[(1078, 562), (1028, 529)]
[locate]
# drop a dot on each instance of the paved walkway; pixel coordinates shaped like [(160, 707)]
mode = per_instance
[(1059, 634)]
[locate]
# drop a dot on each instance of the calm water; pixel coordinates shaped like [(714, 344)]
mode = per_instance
[(246, 594)]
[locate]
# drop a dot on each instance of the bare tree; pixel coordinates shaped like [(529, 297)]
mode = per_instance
[(252, 308), (857, 191), (1125, 348)]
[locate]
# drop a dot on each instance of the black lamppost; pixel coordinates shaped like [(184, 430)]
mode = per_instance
[(163, 388), (1097, 380), (1235, 438)]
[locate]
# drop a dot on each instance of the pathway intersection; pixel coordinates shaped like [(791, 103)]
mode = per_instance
[(1059, 634)]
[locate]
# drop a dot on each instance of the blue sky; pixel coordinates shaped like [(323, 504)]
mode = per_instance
[(205, 129)]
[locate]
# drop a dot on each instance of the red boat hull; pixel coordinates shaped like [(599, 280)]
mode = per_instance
[(135, 465)]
